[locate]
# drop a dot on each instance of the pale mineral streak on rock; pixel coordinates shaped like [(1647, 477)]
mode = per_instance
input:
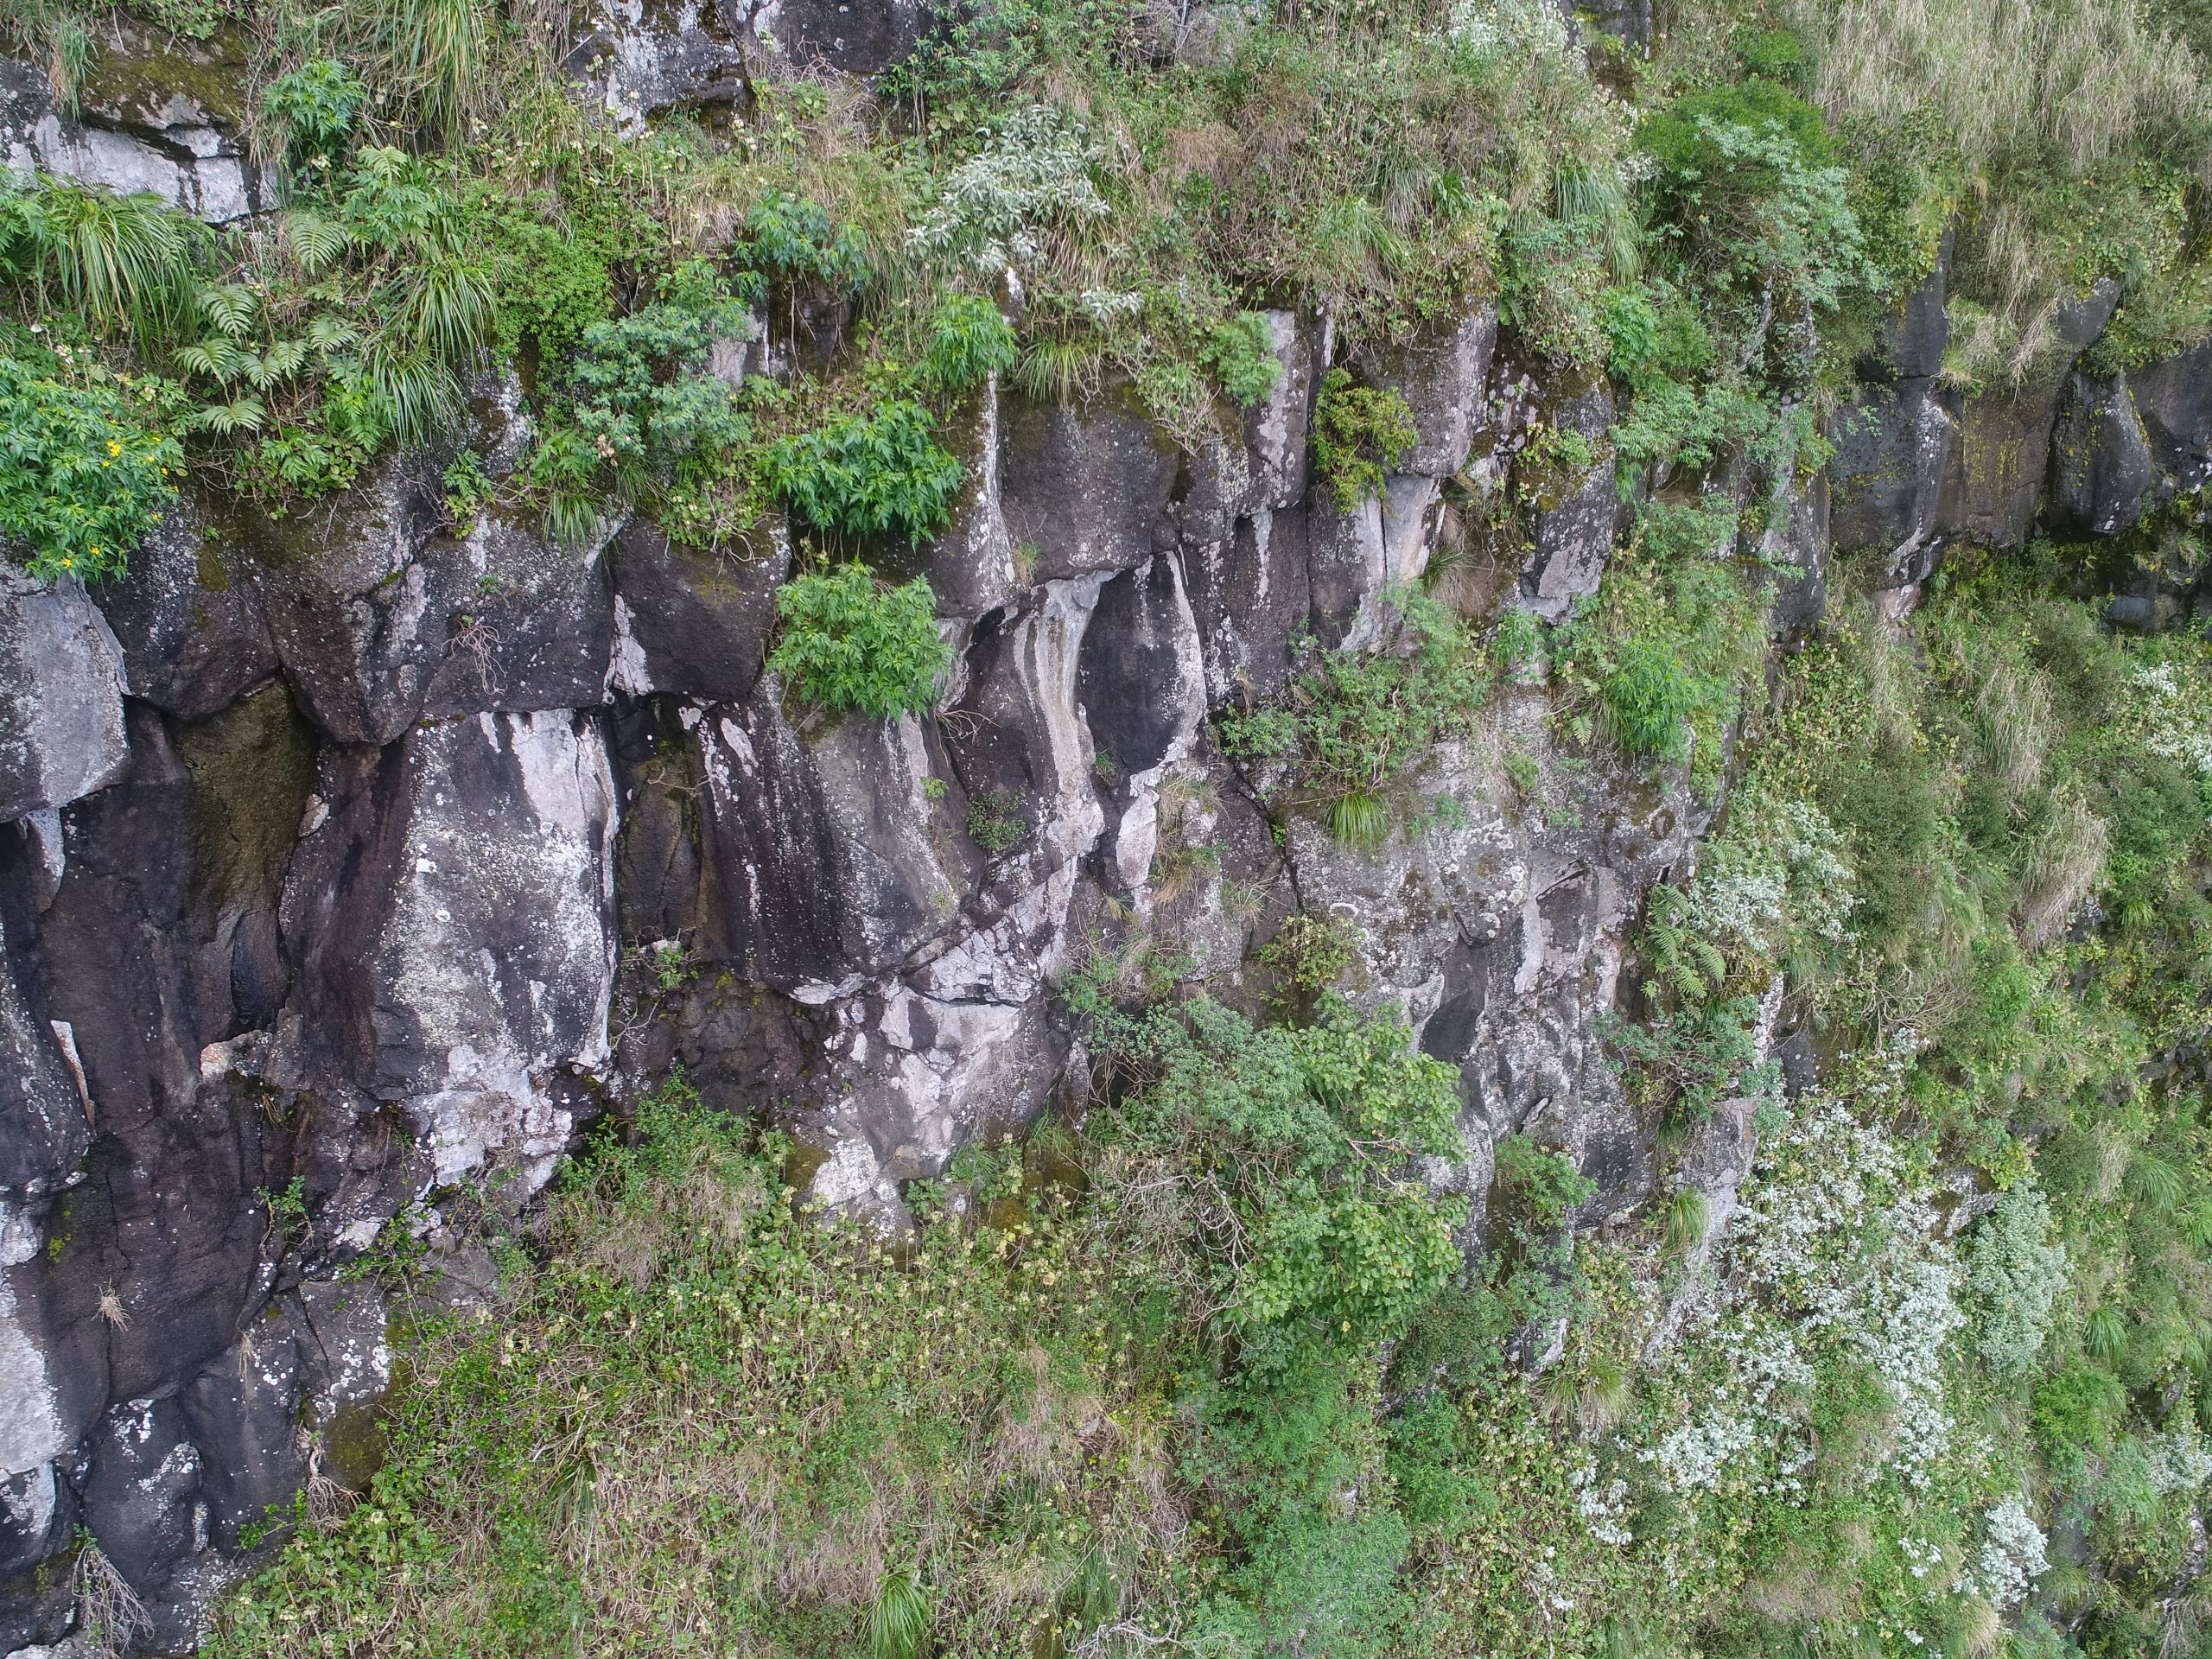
[(61, 684)]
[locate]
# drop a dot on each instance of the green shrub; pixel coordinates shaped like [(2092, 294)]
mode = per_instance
[(1240, 353), (1518, 639), (1679, 137), (1772, 55), (2076, 1408), (1283, 1440), (1747, 190), (1534, 1193), (1648, 700), (863, 475), (794, 239), (1304, 1133), (969, 341), (82, 478), (849, 643), (637, 389), (1428, 1459), (314, 106), (553, 285), (1358, 431), (996, 822), (1357, 719), (1310, 953), (1539, 1189)]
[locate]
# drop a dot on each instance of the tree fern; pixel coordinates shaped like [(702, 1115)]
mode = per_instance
[(230, 307)]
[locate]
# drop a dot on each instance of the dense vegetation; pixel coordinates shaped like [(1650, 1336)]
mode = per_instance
[(1201, 1362), (1202, 1367)]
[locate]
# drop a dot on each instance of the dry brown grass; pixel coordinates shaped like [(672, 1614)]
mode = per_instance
[(2086, 76), (2066, 859)]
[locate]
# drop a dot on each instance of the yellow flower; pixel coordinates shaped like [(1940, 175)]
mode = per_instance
[(96, 552), (113, 447)]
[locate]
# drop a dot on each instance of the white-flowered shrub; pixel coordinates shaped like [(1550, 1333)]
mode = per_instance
[(995, 211), (1603, 1505), (2176, 713), (1512, 29), (2016, 1273), (1776, 875), (2180, 1458), (2012, 1555)]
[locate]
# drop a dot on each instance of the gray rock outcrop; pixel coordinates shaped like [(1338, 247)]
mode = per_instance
[(352, 860), (61, 678)]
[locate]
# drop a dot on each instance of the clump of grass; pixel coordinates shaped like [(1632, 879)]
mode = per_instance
[(1688, 1218), (703, 1417)]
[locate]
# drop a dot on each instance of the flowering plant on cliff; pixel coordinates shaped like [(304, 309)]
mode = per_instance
[(82, 478)]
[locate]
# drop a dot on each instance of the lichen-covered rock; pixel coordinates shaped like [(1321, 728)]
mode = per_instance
[(61, 680), (2005, 453), (1575, 531), (1243, 527), (382, 615), (644, 56), (1502, 933), (825, 858), (2005, 437), (157, 113), (1250, 594), (452, 918), (1794, 544), (1441, 377)]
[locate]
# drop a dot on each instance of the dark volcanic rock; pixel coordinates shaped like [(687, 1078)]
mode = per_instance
[(190, 624), (1139, 679), (857, 37), (689, 623), (2100, 464), (1895, 459), (2173, 402), (826, 861), (1087, 487), (1914, 334)]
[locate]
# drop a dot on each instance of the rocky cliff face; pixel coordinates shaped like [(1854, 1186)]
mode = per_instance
[(350, 864)]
